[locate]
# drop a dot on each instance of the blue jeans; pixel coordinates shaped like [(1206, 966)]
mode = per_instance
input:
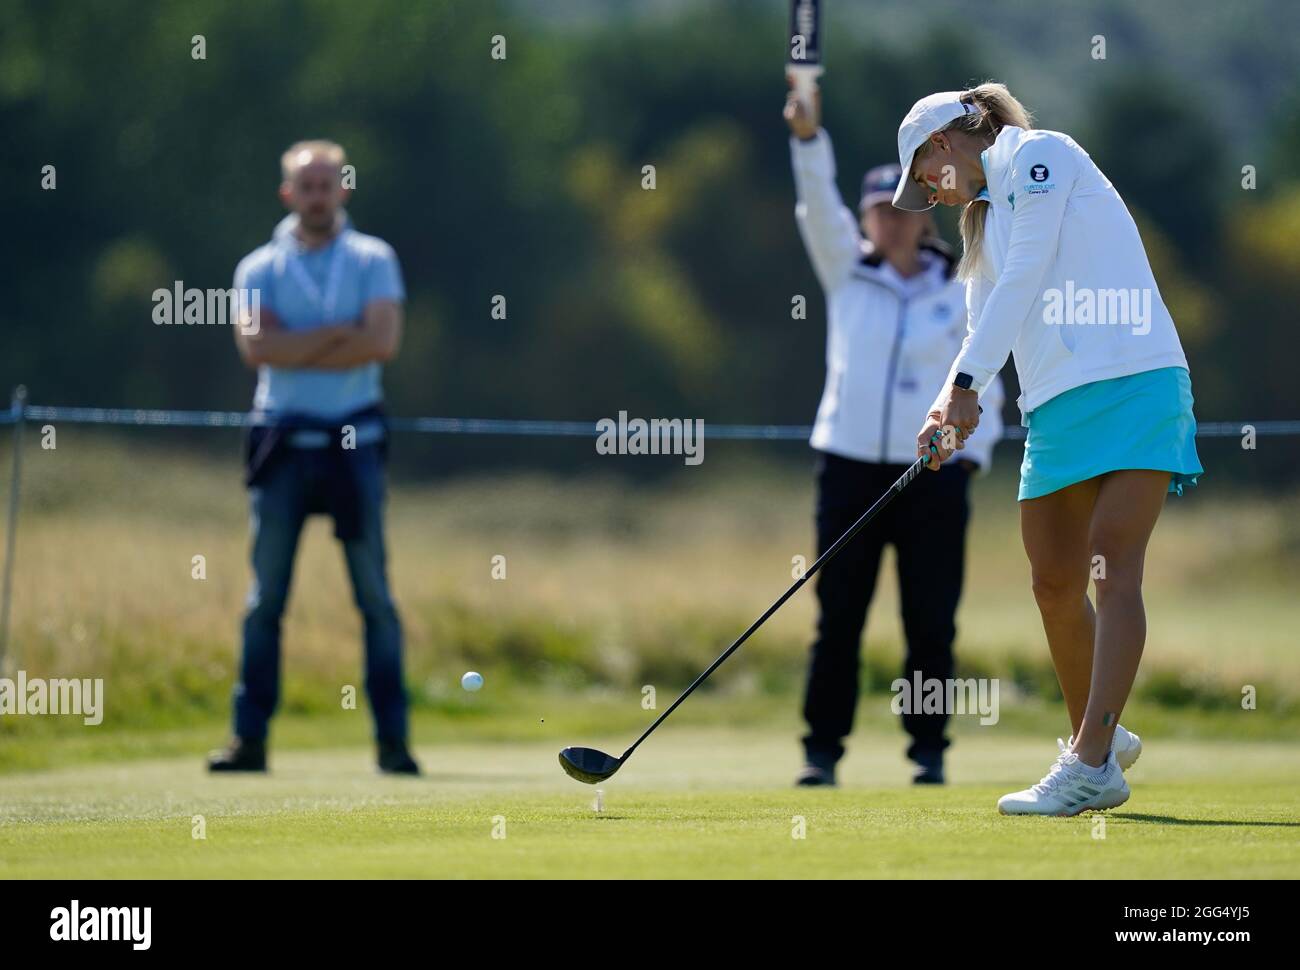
[(280, 505)]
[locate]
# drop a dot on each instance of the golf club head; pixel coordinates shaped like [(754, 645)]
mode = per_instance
[(588, 765)]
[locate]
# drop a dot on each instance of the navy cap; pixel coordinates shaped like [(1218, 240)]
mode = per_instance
[(879, 185)]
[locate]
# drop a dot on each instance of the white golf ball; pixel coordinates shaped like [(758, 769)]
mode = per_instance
[(472, 681)]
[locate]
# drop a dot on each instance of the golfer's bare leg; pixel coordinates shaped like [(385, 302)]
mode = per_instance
[(1128, 504), (1055, 530)]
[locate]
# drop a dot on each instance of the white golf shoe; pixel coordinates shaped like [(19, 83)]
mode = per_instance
[(1126, 745), (1070, 788)]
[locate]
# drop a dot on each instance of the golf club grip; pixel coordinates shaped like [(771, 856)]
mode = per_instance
[(903, 481)]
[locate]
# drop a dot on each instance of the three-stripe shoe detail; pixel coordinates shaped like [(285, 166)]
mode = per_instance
[(1070, 787)]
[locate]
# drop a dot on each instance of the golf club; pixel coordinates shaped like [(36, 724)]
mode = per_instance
[(591, 766)]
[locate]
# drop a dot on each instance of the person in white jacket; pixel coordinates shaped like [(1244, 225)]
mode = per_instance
[(896, 317), (1059, 278)]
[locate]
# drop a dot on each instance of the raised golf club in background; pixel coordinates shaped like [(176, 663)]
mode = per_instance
[(592, 766), (804, 55)]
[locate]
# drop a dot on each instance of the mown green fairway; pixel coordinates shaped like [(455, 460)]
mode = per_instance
[(695, 803)]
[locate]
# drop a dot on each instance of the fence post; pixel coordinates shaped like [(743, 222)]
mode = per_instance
[(17, 409)]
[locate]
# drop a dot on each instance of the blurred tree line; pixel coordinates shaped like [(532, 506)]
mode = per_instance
[(523, 177)]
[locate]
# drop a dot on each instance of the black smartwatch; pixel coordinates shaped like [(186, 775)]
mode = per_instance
[(963, 380)]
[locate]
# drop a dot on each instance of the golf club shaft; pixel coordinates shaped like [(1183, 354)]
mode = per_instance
[(839, 543)]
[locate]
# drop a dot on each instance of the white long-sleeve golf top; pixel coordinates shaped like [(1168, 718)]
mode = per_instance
[(1064, 283)]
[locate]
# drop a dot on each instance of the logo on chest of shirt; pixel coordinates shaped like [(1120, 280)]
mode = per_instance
[(1039, 185), (942, 312)]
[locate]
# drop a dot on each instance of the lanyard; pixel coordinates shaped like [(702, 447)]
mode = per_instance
[(308, 285)]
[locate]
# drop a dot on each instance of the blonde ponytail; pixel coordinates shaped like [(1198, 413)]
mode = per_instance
[(998, 108)]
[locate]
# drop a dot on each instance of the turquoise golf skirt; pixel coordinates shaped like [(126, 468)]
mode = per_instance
[(1139, 421)]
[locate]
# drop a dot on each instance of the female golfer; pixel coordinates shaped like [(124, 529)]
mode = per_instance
[(896, 318), (1058, 276)]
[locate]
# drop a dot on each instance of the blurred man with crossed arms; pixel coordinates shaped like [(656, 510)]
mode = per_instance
[(329, 316)]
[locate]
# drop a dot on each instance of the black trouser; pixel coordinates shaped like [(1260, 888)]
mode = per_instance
[(927, 526)]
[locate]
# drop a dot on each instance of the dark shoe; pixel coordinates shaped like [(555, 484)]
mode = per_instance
[(395, 759), (929, 769), (816, 776), (239, 755)]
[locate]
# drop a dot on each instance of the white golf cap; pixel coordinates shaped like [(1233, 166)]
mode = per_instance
[(927, 116)]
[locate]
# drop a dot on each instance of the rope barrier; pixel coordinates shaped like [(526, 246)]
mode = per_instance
[(142, 417)]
